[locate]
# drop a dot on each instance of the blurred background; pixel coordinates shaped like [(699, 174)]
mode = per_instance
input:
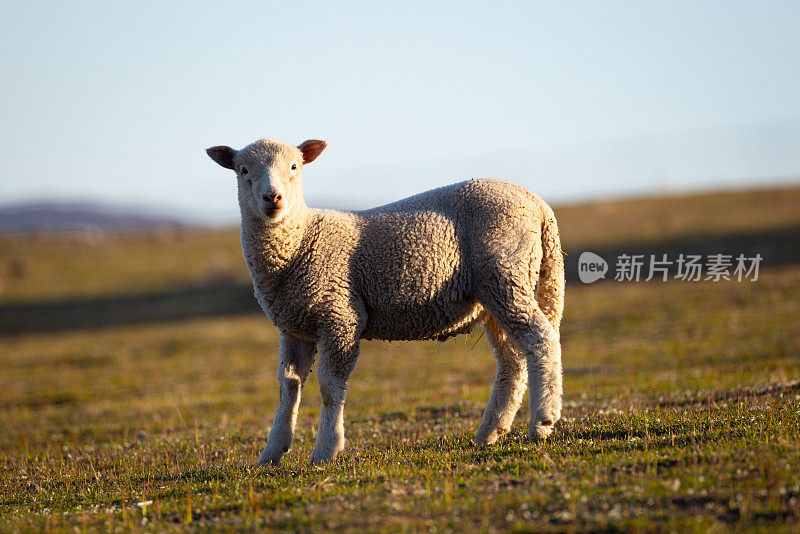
[(662, 129), (113, 103)]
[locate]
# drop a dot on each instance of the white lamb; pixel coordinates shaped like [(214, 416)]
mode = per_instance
[(427, 267)]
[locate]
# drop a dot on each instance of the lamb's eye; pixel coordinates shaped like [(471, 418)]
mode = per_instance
[(294, 166), (244, 171)]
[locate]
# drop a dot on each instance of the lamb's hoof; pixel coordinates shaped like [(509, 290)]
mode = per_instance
[(271, 456), (541, 430), (485, 438), (319, 459), (485, 441), (324, 455)]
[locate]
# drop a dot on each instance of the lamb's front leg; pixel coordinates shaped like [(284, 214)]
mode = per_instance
[(336, 362), (295, 361)]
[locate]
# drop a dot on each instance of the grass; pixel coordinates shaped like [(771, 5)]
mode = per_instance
[(682, 409)]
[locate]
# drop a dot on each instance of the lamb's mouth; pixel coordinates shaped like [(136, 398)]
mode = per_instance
[(271, 212)]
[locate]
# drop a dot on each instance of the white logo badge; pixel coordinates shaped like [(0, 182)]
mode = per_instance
[(591, 267)]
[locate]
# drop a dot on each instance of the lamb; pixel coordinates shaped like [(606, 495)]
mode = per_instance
[(430, 266)]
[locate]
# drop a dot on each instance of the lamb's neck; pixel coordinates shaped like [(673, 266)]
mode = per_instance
[(268, 248)]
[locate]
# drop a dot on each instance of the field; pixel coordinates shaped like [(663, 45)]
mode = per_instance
[(137, 386)]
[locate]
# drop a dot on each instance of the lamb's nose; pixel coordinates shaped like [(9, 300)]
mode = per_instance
[(273, 199)]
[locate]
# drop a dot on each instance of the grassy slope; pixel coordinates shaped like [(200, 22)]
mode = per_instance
[(80, 266), (682, 405)]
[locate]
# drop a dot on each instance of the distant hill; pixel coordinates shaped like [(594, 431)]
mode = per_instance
[(59, 217)]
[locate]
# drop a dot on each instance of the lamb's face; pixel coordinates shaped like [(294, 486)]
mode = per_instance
[(270, 179), (269, 175)]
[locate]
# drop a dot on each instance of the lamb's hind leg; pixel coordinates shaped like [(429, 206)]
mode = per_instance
[(295, 361), (544, 375), (513, 307), (509, 386)]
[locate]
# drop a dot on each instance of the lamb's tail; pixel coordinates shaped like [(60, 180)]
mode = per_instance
[(550, 287)]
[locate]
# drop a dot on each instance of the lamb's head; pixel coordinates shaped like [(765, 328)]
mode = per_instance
[(269, 174)]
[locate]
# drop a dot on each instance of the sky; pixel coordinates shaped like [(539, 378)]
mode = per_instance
[(115, 102)]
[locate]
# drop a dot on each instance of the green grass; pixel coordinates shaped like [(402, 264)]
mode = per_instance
[(682, 411), (46, 267)]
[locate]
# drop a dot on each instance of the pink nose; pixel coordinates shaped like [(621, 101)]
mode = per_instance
[(272, 199)]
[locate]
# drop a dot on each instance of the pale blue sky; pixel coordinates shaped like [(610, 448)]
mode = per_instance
[(117, 101)]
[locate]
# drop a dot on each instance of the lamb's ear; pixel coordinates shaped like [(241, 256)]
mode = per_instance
[(222, 155), (311, 149)]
